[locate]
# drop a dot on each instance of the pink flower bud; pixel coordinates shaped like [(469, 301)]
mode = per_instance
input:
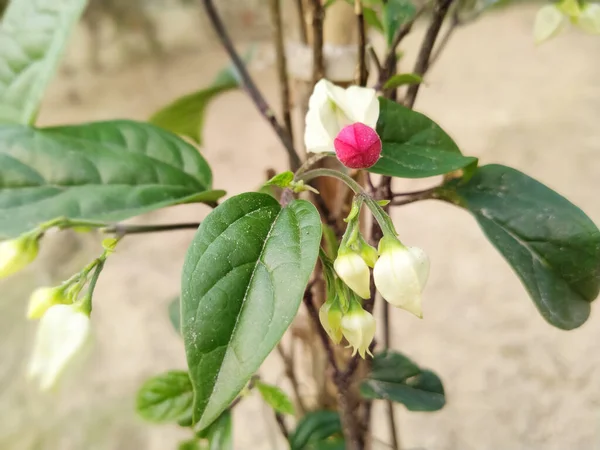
[(357, 146)]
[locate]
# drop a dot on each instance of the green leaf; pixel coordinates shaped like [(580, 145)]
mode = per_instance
[(220, 433), (314, 428), (413, 145), (283, 179), (402, 79), (395, 377), (175, 314), (165, 398), (185, 115), (243, 279), (101, 171), (372, 19), (33, 36), (553, 247), (396, 13), (275, 398)]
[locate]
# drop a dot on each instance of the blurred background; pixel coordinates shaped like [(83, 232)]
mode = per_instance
[(513, 382)]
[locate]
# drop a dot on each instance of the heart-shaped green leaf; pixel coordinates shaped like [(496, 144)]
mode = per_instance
[(553, 247), (243, 281), (413, 145), (314, 428), (396, 378), (165, 398), (102, 171), (33, 35)]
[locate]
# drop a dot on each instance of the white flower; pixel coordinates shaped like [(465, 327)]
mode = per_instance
[(42, 299), (63, 332), (400, 274), (331, 108), (15, 254), (353, 271), (358, 327)]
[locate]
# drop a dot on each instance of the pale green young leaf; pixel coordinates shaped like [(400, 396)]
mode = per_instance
[(33, 36), (275, 398), (402, 79), (395, 13), (243, 280)]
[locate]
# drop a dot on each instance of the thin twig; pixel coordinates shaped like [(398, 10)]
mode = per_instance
[(424, 195), (393, 426), (318, 15), (290, 373), (440, 11), (454, 24), (282, 72), (413, 193), (122, 229), (302, 21), (374, 58), (249, 85), (282, 426), (363, 73)]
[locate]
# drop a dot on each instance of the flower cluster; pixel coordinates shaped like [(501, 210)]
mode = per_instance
[(64, 326), (553, 19)]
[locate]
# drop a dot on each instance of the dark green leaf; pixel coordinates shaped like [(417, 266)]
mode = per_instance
[(393, 366), (395, 377), (372, 19), (314, 428), (423, 392), (402, 79), (275, 398), (102, 171), (243, 280), (553, 247), (220, 435), (33, 36), (395, 13), (165, 398), (413, 145), (175, 314)]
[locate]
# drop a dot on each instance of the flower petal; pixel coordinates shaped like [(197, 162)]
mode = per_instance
[(316, 137), (420, 264), (362, 105)]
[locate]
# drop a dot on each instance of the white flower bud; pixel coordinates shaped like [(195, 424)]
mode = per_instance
[(400, 274), (62, 333), (549, 22), (589, 19), (353, 271), (330, 316), (331, 108), (43, 298), (15, 254), (358, 327)]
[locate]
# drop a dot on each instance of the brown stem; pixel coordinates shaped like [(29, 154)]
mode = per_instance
[(454, 23), (249, 85), (318, 16), (282, 426), (302, 21), (362, 44), (440, 10), (290, 373), (375, 59), (393, 427), (284, 83)]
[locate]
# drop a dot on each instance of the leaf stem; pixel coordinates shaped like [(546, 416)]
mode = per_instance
[(123, 230), (315, 173), (249, 85)]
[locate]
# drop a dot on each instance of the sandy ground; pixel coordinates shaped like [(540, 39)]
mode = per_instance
[(513, 382)]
